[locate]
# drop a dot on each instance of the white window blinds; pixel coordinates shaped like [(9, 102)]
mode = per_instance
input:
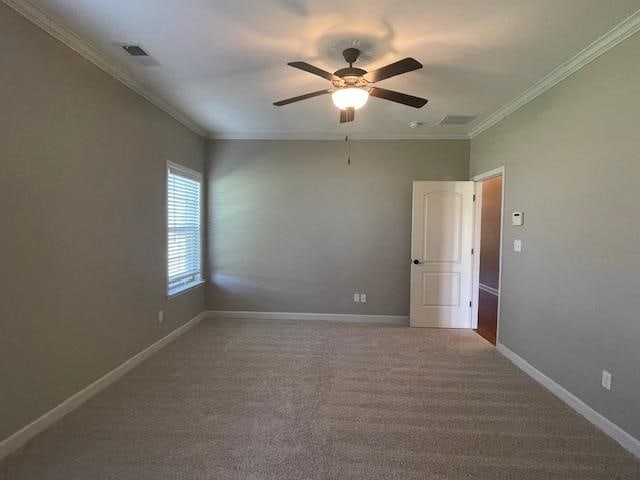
[(184, 257)]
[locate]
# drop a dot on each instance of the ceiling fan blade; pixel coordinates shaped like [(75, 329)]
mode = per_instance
[(401, 66), (301, 97), (315, 70), (398, 97), (348, 115)]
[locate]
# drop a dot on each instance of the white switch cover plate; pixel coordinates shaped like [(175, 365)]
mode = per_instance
[(517, 219), (517, 245), (606, 380), (356, 297), (363, 297), (160, 316)]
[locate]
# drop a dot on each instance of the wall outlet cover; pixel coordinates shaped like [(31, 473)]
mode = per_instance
[(356, 297), (160, 316), (517, 245), (363, 297)]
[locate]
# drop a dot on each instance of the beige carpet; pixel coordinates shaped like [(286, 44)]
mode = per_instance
[(316, 400)]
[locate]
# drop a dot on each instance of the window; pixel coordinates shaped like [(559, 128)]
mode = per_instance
[(184, 228)]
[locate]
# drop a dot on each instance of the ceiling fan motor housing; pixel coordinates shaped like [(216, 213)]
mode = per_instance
[(350, 76), (349, 72), (350, 80)]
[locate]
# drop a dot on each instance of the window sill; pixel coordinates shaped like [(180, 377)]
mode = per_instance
[(184, 289)]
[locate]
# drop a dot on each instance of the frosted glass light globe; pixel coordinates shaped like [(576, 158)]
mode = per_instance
[(350, 97)]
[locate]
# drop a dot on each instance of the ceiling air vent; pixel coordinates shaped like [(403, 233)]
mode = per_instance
[(457, 119), (135, 50)]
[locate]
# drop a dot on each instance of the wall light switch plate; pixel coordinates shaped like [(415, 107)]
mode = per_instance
[(517, 219), (356, 297), (517, 245), (606, 380), (363, 297), (160, 316)]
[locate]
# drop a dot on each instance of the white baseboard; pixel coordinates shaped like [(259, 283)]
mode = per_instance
[(625, 439), (332, 317), (22, 436)]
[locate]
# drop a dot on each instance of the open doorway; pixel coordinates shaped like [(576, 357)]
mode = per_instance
[(488, 243)]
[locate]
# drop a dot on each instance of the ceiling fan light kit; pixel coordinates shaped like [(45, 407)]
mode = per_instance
[(350, 97), (351, 86)]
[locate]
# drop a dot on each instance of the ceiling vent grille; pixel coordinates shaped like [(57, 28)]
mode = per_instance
[(457, 119), (135, 50)]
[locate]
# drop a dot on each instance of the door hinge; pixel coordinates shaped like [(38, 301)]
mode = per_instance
[(472, 251), (474, 197), (470, 303)]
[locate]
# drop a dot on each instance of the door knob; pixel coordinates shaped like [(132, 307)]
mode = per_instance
[(416, 262)]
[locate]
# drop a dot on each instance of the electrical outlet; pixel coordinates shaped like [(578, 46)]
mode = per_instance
[(606, 380), (160, 316), (356, 297), (363, 297), (517, 245)]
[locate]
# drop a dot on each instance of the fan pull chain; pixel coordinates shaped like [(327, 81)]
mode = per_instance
[(348, 141)]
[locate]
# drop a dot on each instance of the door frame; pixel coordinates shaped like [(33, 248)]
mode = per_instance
[(475, 275)]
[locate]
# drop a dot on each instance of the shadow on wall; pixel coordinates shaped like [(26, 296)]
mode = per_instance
[(258, 224)]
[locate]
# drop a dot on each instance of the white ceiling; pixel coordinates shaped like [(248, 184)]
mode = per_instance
[(223, 62)]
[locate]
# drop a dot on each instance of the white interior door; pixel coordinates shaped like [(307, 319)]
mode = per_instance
[(441, 243)]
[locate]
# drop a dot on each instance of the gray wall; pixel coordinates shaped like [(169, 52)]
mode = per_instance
[(571, 299), (292, 227), (82, 207)]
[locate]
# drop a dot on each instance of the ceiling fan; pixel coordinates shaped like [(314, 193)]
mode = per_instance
[(351, 86)]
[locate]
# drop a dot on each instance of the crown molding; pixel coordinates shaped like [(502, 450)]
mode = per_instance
[(332, 136), (613, 37), (92, 54)]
